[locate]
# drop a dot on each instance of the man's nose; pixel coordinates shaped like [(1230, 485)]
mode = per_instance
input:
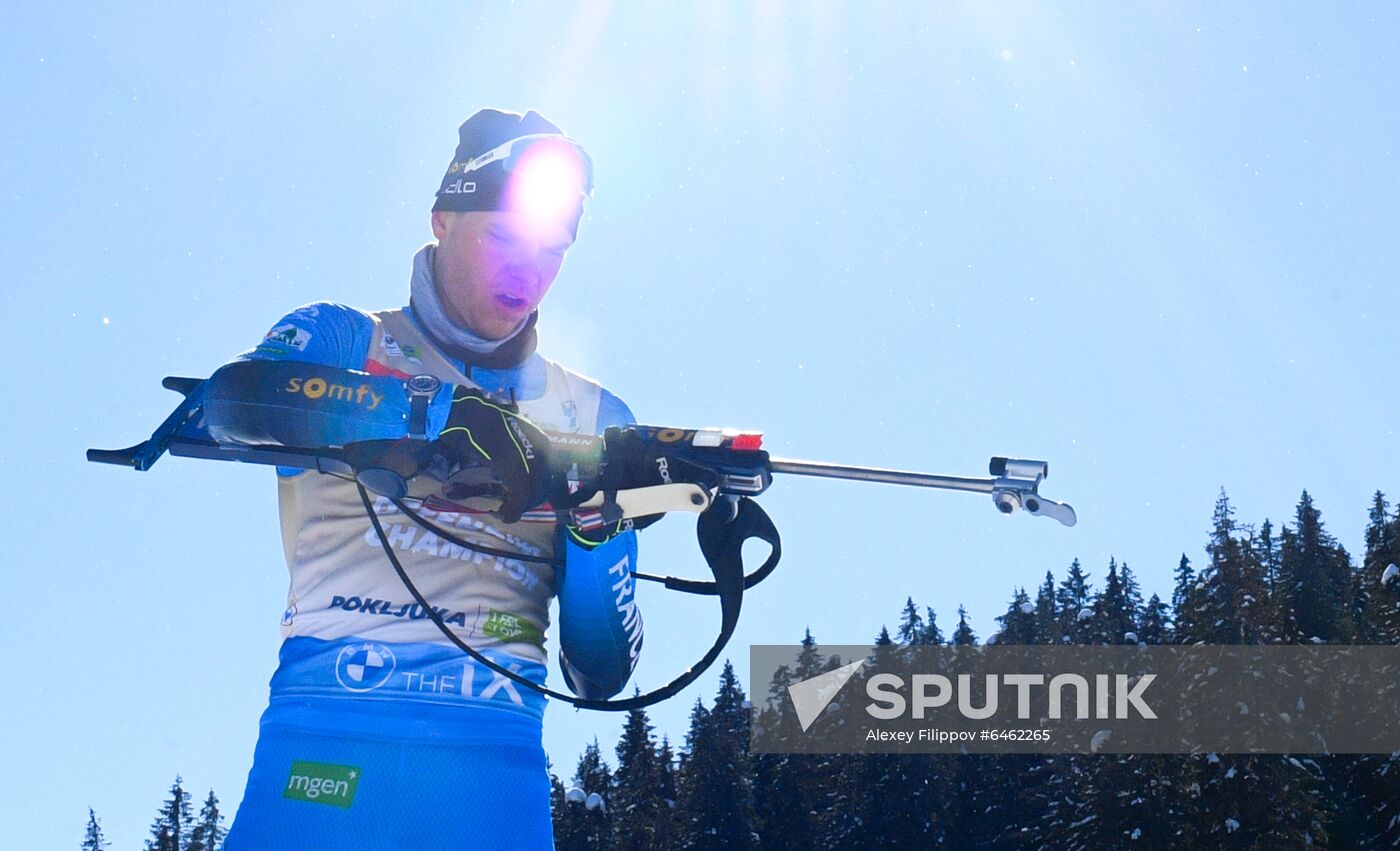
[(527, 267)]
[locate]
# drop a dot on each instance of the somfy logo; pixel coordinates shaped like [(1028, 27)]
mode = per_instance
[(811, 697)]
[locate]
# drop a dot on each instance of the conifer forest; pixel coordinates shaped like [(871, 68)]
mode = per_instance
[(1252, 584)]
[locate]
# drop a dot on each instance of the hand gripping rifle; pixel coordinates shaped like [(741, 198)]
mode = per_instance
[(733, 468)]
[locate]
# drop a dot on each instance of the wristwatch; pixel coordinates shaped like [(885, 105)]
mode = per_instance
[(421, 390)]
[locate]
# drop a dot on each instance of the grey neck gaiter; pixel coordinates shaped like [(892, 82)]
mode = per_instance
[(457, 341)]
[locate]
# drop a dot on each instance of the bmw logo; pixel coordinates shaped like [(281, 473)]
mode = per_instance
[(364, 667)]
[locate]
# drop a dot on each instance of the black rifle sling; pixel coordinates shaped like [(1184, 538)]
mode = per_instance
[(721, 542), (750, 521)]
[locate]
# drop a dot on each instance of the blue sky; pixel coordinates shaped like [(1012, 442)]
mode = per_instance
[(1151, 244)]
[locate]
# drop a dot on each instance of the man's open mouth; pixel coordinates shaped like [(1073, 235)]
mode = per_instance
[(512, 302)]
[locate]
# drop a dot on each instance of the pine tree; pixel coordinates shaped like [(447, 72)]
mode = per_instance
[(911, 624), (640, 811), (581, 827), (1071, 600), (209, 832), (785, 784), (1315, 579), (967, 803), (1367, 783), (1381, 538), (883, 639), (840, 803), (1122, 800), (809, 660), (1054, 788), (786, 789), (808, 775), (1259, 800), (666, 765), (1046, 618), (1229, 602), (963, 636), (999, 799), (1184, 600), (1130, 801), (716, 787), (1385, 596), (1089, 807), (1110, 800), (852, 791), (1155, 627), (1375, 609), (1001, 792), (1114, 615), (1160, 799), (171, 829), (1266, 548), (1018, 625), (93, 839), (932, 634), (1132, 592), (861, 814), (557, 810)]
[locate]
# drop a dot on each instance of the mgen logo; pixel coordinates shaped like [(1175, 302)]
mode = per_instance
[(322, 783)]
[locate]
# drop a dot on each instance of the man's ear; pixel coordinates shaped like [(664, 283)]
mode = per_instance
[(442, 223)]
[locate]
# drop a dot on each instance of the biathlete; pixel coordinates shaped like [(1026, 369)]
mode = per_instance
[(378, 732)]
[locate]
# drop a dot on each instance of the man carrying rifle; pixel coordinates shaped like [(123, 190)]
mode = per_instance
[(379, 733)]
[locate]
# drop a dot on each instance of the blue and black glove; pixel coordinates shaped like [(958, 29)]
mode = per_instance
[(493, 451), (631, 461)]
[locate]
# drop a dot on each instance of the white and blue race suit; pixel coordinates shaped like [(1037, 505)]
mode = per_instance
[(379, 733)]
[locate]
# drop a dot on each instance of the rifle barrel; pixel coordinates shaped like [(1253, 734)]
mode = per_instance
[(876, 474)]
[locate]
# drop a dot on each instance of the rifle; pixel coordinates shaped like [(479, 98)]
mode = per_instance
[(739, 464), (732, 469)]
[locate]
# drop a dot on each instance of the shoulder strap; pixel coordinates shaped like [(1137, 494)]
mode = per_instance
[(722, 538)]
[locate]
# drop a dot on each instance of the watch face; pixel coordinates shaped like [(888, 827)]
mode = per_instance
[(423, 384)]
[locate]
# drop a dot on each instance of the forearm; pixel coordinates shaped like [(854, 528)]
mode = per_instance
[(291, 403), (600, 626)]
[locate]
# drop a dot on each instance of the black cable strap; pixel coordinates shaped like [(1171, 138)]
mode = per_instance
[(721, 542), (461, 542)]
